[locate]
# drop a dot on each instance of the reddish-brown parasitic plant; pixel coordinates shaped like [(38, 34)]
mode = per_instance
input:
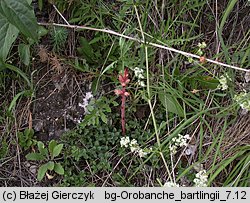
[(122, 92)]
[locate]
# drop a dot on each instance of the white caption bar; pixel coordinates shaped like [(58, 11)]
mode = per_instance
[(122, 195)]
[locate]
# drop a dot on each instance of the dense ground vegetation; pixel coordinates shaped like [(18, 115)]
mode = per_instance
[(124, 93)]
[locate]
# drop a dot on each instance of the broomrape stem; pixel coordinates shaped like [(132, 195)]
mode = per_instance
[(123, 112), (124, 80)]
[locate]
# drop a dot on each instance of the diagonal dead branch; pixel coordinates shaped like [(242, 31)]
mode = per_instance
[(142, 41)]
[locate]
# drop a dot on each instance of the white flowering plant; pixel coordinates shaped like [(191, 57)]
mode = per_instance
[(171, 184), (139, 74), (201, 179), (134, 146), (223, 80), (243, 99), (201, 47), (177, 142)]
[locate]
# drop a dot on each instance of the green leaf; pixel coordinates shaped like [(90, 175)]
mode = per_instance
[(14, 68), (8, 34), (24, 53), (14, 100), (52, 145), (40, 4), (29, 133), (171, 104), (41, 171), (29, 1), (207, 82), (40, 146), (42, 31), (86, 49), (103, 117), (59, 169), (95, 85), (35, 157), (42, 149), (51, 165), (21, 15), (110, 66), (57, 150)]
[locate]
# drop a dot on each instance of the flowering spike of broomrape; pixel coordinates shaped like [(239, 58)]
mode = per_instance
[(124, 80)]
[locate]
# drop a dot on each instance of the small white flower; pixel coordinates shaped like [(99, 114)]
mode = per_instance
[(124, 142), (199, 52), (178, 141), (133, 145), (202, 45), (201, 179), (244, 100), (139, 75), (223, 83), (85, 103), (89, 95), (141, 153), (133, 142), (173, 149), (134, 148), (171, 184), (141, 83)]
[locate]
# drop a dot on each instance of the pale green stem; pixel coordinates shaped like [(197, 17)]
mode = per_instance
[(149, 98)]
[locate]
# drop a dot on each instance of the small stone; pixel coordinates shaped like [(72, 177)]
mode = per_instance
[(33, 169), (38, 126)]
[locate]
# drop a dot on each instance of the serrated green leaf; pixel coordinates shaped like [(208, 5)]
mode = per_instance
[(41, 171), (59, 169), (171, 104), (8, 34), (51, 165), (24, 53), (21, 15), (57, 150), (35, 157), (52, 145)]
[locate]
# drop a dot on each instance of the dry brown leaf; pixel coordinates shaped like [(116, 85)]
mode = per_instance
[(194, 91), (49, 176), (56, 65), (43, 54), (30, 120)]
